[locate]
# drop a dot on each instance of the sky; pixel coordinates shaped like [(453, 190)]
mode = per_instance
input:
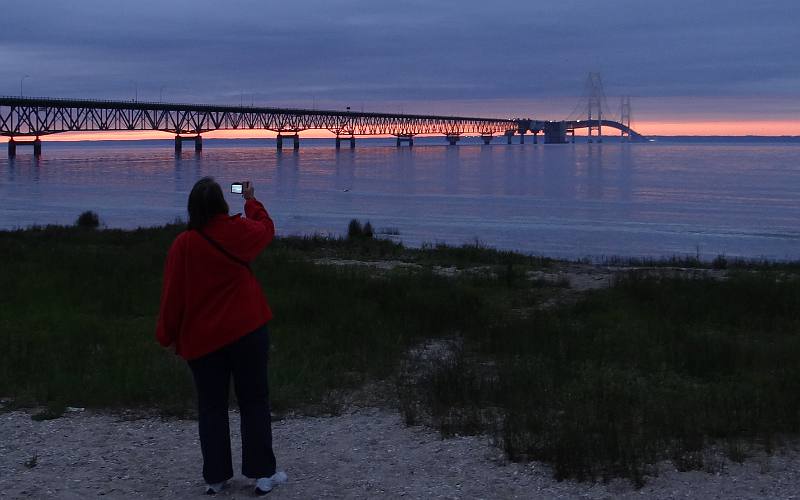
[(711, 67)]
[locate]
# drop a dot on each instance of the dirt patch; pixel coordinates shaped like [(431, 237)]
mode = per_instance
[(383, 265)]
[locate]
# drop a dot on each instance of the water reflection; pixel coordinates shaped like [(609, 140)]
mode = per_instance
[(595, 187), (345, 170), (451, 172), (406, 172), (625, 173), (287, 173)]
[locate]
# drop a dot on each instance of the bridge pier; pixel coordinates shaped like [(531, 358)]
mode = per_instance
[(408, 138), (509, 135), (36, 143), (197, 139), (555, 133), (295, 140), (487, 139), (351, 139), (599, 129), (452, 139), (536, 137)]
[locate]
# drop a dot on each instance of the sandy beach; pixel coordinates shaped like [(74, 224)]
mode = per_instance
[(366, 453)]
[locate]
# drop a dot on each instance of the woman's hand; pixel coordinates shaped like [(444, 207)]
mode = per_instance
[(248, 190)]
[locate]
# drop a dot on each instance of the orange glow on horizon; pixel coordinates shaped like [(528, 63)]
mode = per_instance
[(729, 128), (648, 128), (141, 135)]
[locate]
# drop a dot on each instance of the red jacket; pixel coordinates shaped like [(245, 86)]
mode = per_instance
[(208, 300)]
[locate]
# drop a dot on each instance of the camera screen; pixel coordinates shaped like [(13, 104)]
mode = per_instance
[(236, 188)]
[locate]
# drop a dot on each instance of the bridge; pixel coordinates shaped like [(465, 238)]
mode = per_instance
[(556, 132), (29, 118)]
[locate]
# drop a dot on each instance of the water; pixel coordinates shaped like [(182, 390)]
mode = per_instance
[(737, 198)]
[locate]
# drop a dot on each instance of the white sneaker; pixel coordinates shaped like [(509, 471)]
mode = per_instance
[(265, 484), (213, 489)]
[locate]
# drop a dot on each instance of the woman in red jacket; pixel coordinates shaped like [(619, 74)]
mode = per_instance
[(214, 314)]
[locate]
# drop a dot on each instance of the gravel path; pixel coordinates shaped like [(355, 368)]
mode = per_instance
[(365, 454)]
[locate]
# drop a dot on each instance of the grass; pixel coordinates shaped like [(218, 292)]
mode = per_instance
[(651, 369), (79, 311), (656, 367)]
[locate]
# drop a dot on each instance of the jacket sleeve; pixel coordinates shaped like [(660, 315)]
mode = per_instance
[(260, 230), (172, 296)]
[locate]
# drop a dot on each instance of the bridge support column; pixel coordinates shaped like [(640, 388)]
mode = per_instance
[(522, 137), (405, 138), (452, 139), (487, 139), (509, 136), (295, 140), (555, 133), (36, 143), (197, 139), (536, 137), (350, 139)]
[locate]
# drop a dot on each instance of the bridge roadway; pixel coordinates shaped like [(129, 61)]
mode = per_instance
[(25, 117)]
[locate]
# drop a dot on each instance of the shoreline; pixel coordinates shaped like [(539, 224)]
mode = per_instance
[(677, 260)]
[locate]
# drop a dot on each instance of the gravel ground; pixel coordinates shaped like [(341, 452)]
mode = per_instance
[(367, 453)]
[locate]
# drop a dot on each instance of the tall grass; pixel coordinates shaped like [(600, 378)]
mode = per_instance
[(78, 312), (651, 369)]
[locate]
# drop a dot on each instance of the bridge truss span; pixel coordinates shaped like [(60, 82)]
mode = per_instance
[(625, 129), (43, 116)]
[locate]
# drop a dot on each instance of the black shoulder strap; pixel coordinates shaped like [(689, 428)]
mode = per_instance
[(222, 249)]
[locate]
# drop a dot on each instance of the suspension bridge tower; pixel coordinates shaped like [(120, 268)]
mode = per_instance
[(625, 117), (594, 87)]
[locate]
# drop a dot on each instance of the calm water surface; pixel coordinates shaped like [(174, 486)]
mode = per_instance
[(650, 199)]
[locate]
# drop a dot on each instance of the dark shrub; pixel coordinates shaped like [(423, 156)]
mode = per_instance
[(354, 229), (367, 231), (88, 220), (719, 262)]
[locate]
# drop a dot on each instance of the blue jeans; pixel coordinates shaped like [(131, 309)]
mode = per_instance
[(246, 360)]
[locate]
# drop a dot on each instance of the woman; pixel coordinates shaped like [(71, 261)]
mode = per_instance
[(214, 314)]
